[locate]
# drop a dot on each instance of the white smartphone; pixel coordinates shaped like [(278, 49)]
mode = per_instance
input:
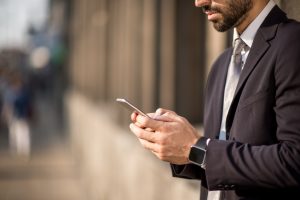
[(129, 106)]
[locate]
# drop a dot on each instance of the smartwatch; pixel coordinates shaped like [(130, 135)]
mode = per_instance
[(198, 152)]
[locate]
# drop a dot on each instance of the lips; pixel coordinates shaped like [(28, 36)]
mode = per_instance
[(210, 12), (212, 15)]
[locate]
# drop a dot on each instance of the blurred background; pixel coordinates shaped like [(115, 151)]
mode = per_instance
[(62, 65)]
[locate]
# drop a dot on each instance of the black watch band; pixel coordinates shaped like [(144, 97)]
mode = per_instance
[(198, 152)]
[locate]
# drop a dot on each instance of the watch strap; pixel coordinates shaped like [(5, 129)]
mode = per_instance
[(201, 143)]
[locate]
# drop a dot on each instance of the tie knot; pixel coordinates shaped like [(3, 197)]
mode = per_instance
[(239, 45)]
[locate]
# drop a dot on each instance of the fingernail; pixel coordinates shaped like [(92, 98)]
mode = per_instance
[(157, 114)]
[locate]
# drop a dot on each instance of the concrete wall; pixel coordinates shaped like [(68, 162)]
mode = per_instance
[(291, 7)]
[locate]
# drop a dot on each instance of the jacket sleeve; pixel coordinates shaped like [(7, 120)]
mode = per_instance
[(189, 171)]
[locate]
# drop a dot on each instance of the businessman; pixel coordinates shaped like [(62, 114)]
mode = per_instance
[(251, 143)]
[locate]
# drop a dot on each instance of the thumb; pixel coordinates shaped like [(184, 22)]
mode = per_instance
[(165, 115)]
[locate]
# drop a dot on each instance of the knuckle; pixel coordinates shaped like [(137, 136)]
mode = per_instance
[(161, 156), (142, 142), (160, 150), (166, 128), (182, 119), (142, 120), (168, 114), (171, 112), (146, 146), (139, 133), (159, 111), (163, 140), (163, 150)]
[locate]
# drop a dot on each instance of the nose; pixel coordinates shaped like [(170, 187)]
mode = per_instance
[(201, 3)]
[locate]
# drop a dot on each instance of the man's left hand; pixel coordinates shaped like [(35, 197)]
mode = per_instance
[(168, 135)]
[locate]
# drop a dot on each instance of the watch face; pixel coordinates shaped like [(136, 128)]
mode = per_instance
[(197, 155)]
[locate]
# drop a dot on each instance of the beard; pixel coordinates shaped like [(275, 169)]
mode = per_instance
[(233, 14)]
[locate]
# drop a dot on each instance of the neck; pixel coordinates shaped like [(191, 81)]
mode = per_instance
[(258, 6)]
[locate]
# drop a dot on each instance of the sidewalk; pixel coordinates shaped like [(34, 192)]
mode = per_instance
[(49, 173)]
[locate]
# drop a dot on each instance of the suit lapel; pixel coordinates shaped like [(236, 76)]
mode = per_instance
[(215, 103), (257, 51), (260, 46)]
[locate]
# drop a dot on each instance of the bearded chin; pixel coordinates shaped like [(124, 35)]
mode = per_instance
[(229, 23), (221, 26), (233, 16)]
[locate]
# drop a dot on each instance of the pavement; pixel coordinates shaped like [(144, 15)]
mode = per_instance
[(49, 173)]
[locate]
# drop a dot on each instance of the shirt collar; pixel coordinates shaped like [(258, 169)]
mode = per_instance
[(250, 32)]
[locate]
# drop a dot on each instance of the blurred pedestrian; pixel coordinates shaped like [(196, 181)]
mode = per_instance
[(17, 112)]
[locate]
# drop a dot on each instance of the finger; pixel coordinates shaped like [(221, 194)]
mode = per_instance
[(161, 111), (151, 115), (167, 116), (149, 122), (158, 112), (133, 116), (150, 130), (144, 134), (139, 125), (149, 145)]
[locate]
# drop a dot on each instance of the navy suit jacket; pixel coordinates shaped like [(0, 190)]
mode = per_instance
[(261, 158)]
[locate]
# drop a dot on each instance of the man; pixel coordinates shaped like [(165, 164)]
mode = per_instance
[(251, 143)]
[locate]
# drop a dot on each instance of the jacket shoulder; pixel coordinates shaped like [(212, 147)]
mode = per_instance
[(220, 63), (288, 30)]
